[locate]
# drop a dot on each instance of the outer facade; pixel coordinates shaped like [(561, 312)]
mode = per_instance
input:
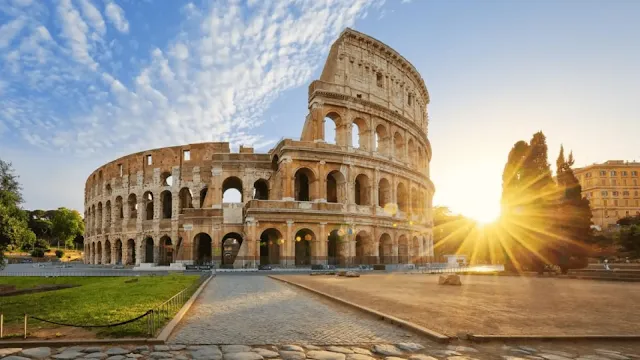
[(613, 190), (305, 202)]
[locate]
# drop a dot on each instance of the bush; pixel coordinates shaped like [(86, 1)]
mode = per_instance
[(59, 254), (37, 253)]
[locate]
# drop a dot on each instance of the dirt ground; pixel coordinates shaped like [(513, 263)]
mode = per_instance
[(493, 305)]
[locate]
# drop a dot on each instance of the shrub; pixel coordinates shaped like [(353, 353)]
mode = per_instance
[(59, 254), (37, 253)]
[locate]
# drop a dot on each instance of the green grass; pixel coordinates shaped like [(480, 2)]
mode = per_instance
[(98, 300)]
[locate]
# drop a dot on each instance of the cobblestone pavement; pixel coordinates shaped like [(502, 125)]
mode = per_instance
[(400, 351), (255, 309)]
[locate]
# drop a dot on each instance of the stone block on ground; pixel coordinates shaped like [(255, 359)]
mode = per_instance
[(409, 346), (14, 357), (37, 353), (116, 357), (9, 351), (265, 353), (389, 350), (362, 351), (291, 348), (206, 353), (421, 357), (161, 348), (93, 349), (248, 355), (352, 274), (96, 355), (229, 349), (459, 348), (340, 349), (451, 279), (325, 355), (160, 355), (359, 357), (68, 355), (117, 351), (292, 355)]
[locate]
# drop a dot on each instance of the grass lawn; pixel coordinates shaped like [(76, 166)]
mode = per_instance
[(97, 301)]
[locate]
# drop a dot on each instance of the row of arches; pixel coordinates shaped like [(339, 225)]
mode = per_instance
[(378, 139)]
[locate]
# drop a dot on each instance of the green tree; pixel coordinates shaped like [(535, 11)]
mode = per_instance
[(13, 220), (40, 223), (66, 225), (629, 239)]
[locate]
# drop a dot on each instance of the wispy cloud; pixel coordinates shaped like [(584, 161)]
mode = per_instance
[(115, 14)]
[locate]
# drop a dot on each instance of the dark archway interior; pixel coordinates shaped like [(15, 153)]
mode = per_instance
[(270, 247), (303, 241), (166, 205), (261, 190), (231, 243), (203, 254), (148, 250)]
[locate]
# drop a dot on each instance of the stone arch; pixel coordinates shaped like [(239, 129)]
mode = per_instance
[(360, 134), (413, 157), (302, 248), (403, 249), (364, 253), (336, 187), (131, 252), (270, 241), (203, 195), (337, 250), (362, 190), (107, 213), (261, 189), (132, 203), (382, 139), (108, 189), (398, 146), (202, 249), (148, 205), (92, 253), (118, 254), (166, 202), (166, 179), (304, 183), (99, 253), (402, 197), (165, 253), (232, 190), (119, 208), (385, 249), (332, 129), (416, 256), (99, 216), (94, 224), (149, 246), (107, 252), (275, 163), (186, 199), (415, 201), (231, 243), (384, 192)]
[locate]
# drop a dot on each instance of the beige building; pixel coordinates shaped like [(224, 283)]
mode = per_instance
[(360, 194), (613, 190)]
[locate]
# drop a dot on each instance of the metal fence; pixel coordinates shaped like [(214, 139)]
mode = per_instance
[(90, 273), (155, 318)]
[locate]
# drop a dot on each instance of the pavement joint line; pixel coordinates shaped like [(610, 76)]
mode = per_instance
[(433, 335)]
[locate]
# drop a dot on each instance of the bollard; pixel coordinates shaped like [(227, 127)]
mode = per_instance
[(25, 325)]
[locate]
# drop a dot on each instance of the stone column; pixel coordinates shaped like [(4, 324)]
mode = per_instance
[(394, 248), (287, 181), (322, 244), (289, 256), (214, 194), (139, 250), (322, 182)]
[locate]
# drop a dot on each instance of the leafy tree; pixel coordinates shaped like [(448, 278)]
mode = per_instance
[(13, 220), (66, 225), (629, 239), (40, 223), (59, 253)]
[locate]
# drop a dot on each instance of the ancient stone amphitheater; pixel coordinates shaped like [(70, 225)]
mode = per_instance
[(354, 189)]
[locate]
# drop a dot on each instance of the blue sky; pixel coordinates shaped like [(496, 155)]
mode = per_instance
[(85, 81)]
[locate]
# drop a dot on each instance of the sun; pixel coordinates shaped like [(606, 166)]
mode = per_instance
[(483, 213)]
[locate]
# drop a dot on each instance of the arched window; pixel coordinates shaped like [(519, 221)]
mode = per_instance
[(186, 201), (119, 209), (402, 197), (362, 190), (304, 180), (413, 157), (335, 187), (261, 190), (148, 205), (132, 202), (382, 140), (398, 142), (331, 123), (167, 179), (232, 190), (166, 199), (203, 196), (384, 192)]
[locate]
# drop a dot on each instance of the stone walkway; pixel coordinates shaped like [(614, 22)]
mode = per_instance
[(257, 310)]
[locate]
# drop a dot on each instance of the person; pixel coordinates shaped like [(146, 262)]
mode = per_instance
[(606, 264)]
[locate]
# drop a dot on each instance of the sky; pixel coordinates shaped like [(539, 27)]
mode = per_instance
[(83, 82)]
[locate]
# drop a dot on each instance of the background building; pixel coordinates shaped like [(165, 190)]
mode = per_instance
[(613, 190)]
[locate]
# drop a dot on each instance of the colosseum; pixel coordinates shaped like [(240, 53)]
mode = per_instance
[(354, 189)]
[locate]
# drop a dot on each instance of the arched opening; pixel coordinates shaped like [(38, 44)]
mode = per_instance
[(364, 254), (203, 253), (398, 142), (99, 253), (107, 252), (403, 250), (165, 251), (166, 199), (382, 140), (94, 256), (384, 192), (362, 190), (331, 123), (131, 252), (167, 179), (416, 256), (108, 189), (360, 134), (148, 205), (304, 179), (261, 190), (270, 241), (402, 197), (232, 190), (303, 241), (133, 206), (203, 196), (336, 252), (385, 249), (119, 209), (148, 250), (118, 259), (186, 200), (99, 216), (336, 187), (107, 214), (275, 163), (413, 156), (231, 243), (415, 201), (94, 224)]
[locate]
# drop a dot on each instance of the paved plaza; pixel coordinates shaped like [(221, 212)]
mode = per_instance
[(254, 309)]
